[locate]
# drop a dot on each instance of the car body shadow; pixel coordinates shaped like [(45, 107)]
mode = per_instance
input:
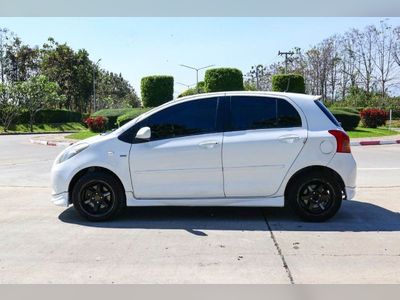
[(354, 216)]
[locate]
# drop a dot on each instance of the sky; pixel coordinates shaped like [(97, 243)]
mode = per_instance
[(137, 47)]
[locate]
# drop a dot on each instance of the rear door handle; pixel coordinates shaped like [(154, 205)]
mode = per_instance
[(290, 139), (208, 144)]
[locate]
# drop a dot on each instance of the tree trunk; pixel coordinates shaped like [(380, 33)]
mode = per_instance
[(31, 120)]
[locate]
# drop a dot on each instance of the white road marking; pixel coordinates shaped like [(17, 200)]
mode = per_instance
[(367, 169)]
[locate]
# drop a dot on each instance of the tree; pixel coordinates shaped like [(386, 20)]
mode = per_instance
[(384, 40), (38, 93), (11, 97), (72, 71), (113, 91)]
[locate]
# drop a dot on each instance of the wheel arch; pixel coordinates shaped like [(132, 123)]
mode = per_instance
[(84, 171), (322, 169)]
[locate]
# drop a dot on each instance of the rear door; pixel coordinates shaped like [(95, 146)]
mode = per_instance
[(263, 139)]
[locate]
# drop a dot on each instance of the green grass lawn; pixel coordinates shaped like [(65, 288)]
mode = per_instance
[(361, 132), (45, 127), (81, 135)]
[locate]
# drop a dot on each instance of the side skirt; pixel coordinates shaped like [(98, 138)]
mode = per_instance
[(239, 201)]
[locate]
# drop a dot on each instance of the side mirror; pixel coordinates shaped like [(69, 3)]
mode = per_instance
[(144, 133)]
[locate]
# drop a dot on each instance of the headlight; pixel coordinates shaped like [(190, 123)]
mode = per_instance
[(72, 151)]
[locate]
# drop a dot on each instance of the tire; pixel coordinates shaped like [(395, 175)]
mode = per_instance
[(98, 196), (315, 196)]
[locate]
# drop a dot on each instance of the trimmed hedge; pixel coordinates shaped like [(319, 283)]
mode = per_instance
[(288, 83), (156, 90), (130, 115), (51, 116), (348, 120), (223, 79), (112, 115)]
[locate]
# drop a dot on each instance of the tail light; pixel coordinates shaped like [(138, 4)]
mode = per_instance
[(342, 141)]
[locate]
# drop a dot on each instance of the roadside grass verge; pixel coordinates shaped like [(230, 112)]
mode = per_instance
[(81, 135), (361, 132), (45, 127)]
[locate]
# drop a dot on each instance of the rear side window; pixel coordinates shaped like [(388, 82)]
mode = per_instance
[(249, 113), (327, 113), (188, 118), (253, 113), (287, 115)]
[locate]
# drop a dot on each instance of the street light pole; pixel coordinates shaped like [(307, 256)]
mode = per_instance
[(197, 73), (184, 84), (94, 84)]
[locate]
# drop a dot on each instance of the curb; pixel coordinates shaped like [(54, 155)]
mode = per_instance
[(48, 143), (375, 143), (36, 133)]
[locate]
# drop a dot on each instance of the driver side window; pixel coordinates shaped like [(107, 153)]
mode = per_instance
[(184, 119)]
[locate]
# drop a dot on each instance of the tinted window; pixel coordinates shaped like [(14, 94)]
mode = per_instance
[(188, 118), (253, 113), (261, 112), (287, 115)]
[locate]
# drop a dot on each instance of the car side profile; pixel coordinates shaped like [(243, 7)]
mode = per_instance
[(258, 149)]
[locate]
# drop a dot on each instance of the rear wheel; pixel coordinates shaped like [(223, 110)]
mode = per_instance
[(98, 196), (315, 196)]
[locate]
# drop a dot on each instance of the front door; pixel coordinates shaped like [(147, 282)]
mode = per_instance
[(183, 157)]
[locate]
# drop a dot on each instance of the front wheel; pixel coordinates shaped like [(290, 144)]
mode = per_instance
[(98, 196), (315, 196)]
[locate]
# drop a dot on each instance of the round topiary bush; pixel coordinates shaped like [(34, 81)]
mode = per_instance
[(156, 90), (223, 79), (288, 83)]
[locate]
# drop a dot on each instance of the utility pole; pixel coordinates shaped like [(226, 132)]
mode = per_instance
[(94, 84), (289, 53), (197, 73)]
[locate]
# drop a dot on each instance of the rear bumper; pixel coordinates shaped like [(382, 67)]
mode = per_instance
[(350, 192), (60, 199), (345, 165)]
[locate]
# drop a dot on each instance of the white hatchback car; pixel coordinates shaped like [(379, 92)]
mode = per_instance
[(223, 149)]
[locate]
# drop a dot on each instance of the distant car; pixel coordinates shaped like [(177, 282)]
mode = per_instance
[(256, 149)]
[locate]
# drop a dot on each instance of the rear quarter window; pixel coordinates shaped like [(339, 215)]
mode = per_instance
[(327, 112)]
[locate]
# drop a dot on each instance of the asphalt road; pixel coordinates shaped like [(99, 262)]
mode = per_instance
[(42, 243)]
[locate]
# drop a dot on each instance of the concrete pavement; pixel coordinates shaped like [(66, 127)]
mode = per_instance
[(41, 243)]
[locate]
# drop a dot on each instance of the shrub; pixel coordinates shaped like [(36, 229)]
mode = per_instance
[(223, 79), (96, 124), (156, 90), (51, 116), (112, 115), (373, 117), (188, 92), (193, 91), (348, 109), (288, 83), (347, 119), (135, 112)]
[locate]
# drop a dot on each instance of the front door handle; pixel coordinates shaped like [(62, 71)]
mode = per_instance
[(290, 139), (208, 144)]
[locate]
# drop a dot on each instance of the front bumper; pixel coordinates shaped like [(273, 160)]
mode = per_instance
[(60, 199)]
